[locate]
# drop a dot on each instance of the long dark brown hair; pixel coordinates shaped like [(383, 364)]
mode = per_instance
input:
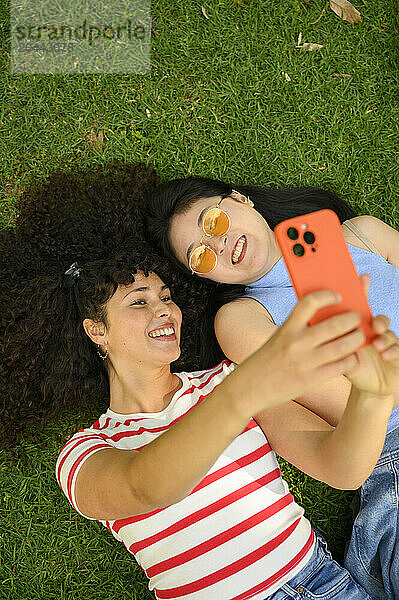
[(275, 205)]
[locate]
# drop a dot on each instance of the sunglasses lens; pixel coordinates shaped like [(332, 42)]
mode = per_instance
[(216, 222), (202, 260)]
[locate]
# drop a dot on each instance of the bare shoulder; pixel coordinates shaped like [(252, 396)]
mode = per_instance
[(241, 327), (384, 237), (241, 307), (370, 225), (366, 223)]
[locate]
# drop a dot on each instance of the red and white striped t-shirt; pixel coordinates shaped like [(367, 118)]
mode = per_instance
[(239, 534)]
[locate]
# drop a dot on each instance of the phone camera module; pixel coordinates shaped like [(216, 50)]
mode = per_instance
[(292, 233), (298, 250), (309, 237)]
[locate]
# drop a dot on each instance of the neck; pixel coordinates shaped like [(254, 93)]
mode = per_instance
[(142, 389)]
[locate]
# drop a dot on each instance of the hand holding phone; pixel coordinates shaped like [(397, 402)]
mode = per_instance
[(317, 258)]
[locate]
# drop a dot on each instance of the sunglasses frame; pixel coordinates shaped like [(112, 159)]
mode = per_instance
[(201, 244)]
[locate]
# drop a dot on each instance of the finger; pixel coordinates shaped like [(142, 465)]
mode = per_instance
[(391, 354), (385, 341), (365, 279), (380, 323), (340, 348), (339, 367), (334, 327), (308, 305)]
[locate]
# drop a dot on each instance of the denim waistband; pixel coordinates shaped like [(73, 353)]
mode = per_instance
[(390, 450), (393, 422)]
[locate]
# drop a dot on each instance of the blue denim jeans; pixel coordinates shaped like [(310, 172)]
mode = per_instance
[(372, 555), (321, 579)]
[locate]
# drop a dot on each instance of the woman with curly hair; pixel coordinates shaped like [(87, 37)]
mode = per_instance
[(179, 457), (224, 235)]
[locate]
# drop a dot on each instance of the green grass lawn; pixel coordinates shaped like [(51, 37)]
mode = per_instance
[(215, 103)]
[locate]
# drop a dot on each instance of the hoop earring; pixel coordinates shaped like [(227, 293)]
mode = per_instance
[(99, 353)]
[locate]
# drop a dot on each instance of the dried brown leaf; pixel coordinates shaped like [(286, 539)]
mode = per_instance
[(95, 140), (345, 11), (341, 75), (204, 12), (309, 47)]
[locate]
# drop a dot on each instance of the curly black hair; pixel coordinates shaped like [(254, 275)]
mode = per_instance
[(91, 217)]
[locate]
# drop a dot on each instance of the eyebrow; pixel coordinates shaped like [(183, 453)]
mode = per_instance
[(145, 289), (199, 222)]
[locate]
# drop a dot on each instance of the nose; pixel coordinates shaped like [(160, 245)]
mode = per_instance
[(162, 310), (218, 244)]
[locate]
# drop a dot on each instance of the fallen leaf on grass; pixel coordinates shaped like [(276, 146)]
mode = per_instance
[(204, 12), (287, 77), (309, 47), (341, 75), (95, 140), (148, 113), (345, 10)]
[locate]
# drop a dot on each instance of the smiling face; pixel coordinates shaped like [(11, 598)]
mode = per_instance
[(244, 254), (143, 327)]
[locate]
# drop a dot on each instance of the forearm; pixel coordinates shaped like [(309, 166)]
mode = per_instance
[(167, 469), (353, 448)]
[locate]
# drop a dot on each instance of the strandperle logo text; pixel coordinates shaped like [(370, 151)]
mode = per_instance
[(82, 32)]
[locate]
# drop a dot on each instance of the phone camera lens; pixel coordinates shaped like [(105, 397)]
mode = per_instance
[(309, 237), (299, 250), (292, 233)]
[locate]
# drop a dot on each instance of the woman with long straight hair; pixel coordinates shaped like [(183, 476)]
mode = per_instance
[(223, 234)]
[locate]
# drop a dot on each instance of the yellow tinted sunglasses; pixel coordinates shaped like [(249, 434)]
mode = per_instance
[(215, 223)]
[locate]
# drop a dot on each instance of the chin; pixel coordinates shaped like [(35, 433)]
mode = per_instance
[(174, 355)]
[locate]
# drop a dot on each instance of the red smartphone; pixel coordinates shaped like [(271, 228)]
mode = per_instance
[(317, 258)]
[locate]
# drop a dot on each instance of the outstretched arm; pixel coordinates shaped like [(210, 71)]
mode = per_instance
[(114, 484)]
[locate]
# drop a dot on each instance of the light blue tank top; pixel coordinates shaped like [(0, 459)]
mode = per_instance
[(275, 292)]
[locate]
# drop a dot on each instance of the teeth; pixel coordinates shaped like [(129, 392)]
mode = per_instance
[(161, 332), (238, 250)]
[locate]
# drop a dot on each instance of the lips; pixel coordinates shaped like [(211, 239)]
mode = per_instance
[(242, 240), (164, 338), (164, 333)]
